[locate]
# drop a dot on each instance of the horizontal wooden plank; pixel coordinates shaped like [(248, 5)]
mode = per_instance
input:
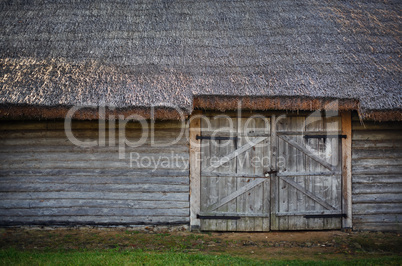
[(302, 213), (95, 172), (235, 214), (135, 157), (183, 180), (75, 125), (377, 153), (376, 135), (379, 218), (391, 125), (382, 144), (101, 195), (377, 226), (376, 188), (376, 169), (375, 162), (377, 179), (95, 203), (216, 174), (377, 198), (167, 141), (318, 174), (251, 133), (86, 211), (146, 148), (93, 220), (92, 134), (95, 164), (377, 208), (53, 187)]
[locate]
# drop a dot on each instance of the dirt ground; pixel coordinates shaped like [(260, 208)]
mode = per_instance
[(273, 245)]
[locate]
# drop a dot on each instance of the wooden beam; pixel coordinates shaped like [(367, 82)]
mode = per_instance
[(302, 213), (293, 174), (214, 174), (307, 152), (274, 223), (235, 194), (239, 214), (235, 153), (195, 170), (347, 169), (309, 194)]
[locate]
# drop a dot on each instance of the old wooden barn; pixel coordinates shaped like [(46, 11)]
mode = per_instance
[(219, 115)]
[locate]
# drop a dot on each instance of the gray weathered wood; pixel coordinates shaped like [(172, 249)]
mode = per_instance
[(52, 187), (229, 179), (376, 188), (377, 208), (46, 179), (293, 174), (236, 214), (374, 135), (380, 197), (359, 154), (377, 179), (95, 172), (384, 218), (93, 220), (302, 213), (87, 211), (103, 195), (235, 153), (195, 170), (94, 203), (95, 180), (308, 194), (215, 174), (235, 194), (309, 153)]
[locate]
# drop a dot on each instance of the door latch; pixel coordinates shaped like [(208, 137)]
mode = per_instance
[(268, 173)]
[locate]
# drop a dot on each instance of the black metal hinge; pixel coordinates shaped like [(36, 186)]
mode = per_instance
[(324, 136), (341, 215), (218, 217)]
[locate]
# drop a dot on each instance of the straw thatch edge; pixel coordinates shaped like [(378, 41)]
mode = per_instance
[(206, 102)]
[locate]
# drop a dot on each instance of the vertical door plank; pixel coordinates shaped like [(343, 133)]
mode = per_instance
[(195, 171), (347, 169), (314, 123), (213, 183), (205, 160), (262, 153), (298, 222), (333, 183), (283, 189), (225, 185), (244, 167), (274, 201), (231, 186)]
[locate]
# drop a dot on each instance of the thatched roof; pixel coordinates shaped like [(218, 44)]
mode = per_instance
[(134, 54)]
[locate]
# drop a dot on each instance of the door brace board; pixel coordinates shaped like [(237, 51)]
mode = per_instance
[(307, 152), (308, 194), (235, 194), (235, 153)]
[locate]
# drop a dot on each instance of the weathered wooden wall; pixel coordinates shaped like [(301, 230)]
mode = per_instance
[(45, 179), (377, 175)]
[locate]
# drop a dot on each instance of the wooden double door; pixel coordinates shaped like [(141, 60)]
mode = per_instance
[(262, 173)]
